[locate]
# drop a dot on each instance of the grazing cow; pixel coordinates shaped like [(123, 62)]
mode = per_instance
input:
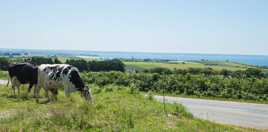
[(23, 73), (53, 76)]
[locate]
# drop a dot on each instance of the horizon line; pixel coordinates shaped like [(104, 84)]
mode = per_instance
[(149, 52)]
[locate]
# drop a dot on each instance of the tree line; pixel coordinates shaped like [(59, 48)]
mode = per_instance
[(118, 65), (249, 72), (105, 65), (82, 65), (4, 62)]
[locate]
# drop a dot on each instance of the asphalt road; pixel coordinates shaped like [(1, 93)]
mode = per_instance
[(3, 82), (225, 112)]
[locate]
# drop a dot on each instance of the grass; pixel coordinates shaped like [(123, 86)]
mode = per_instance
[(113, 109), (3, 75), (217, 65)]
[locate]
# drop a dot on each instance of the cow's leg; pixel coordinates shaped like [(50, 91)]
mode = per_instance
[(14, 90), (46, 88), (18, 87), (38, 87), (54, 92), (36, 91), (13, 86), (30, 87), (67, 90), (8, 80)]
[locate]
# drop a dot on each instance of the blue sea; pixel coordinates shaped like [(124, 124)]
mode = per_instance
[(260, 60)]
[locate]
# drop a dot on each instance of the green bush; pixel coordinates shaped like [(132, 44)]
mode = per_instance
[(4, 63), (96, 66), (38, 60), (41, 60), (250, 88)]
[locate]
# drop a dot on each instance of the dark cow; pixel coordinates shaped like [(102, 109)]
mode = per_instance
[(23, 73), (53, 76)]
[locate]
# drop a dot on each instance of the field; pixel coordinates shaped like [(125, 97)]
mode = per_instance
[(141, 65), (3, 74), (113, 109)]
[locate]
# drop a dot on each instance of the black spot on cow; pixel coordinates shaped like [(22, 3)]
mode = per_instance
[(66, 70), (76, 80), (57, 73), (54, 91), (54, 72)]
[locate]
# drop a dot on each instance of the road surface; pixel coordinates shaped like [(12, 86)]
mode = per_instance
[(234, 113), (3, 82)]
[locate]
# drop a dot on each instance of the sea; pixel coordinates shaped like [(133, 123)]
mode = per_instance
[(259, 60)]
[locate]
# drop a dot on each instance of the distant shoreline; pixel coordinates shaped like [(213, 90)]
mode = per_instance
[(258, 60), (136, 52)]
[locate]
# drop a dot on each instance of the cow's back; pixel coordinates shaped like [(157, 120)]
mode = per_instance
[(24, 72), (29, 74), (60, 73), (50, 73), (15, 69)]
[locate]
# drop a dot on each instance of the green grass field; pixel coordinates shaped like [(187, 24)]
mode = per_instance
[(141, 65), (3, 75), (113, 109), (217, 65)]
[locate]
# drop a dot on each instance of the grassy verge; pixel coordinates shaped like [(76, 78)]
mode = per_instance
[(113, 109)]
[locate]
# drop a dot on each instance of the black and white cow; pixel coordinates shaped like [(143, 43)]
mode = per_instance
[(23, 73), (53, 76)]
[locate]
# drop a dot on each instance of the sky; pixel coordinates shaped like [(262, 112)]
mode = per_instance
[(168, 26)]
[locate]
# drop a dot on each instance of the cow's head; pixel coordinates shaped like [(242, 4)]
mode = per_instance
[(86, 93)]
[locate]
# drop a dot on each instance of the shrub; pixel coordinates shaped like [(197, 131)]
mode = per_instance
[(4, 63), (250, 88), (96, 66), (41, 60)]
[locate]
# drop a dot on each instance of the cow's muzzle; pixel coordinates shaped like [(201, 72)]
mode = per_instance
[(86, 93)]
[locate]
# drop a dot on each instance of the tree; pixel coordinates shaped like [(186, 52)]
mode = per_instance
[(79, 63), (41, 60), (106, 65), (254, 72), (160, 70), (4, 63), (57, 61)]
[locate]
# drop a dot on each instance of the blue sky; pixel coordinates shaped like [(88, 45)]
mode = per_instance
[(177, 26)]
